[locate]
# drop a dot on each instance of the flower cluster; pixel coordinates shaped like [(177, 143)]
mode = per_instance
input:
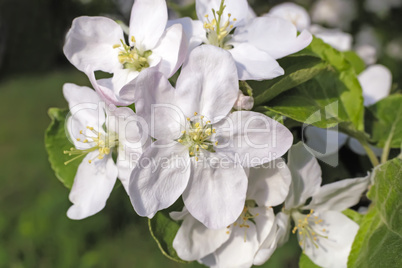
[(172, 123)]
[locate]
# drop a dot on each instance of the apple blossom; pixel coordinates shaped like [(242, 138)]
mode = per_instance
[(228, 25), (98, 44), (204, 144), (324, 233), (97, 132), (237, 244)]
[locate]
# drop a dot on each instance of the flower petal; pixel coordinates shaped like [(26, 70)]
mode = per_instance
[(86, 109), (357, 148), (92, 186), (306, 176), (293, 13), (89, 44), (323, 141), (264, 221), (203, 77), (340, 40), (376, 83), (155, 101), (279, 39), (148, 22), (332, 252), (339, 195), (194, 241), (105, 88), (216, 192), (172, 48), (240, 249), (269, 184), (160, 177), (254, 64), (252, 138), (193, 29)]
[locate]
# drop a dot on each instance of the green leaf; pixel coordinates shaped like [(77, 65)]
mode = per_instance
[(333, 96), (322, 102), (387, 127), (305, 262), (386, 193), (184, 11), (353, 215), (375, 245), (354, 60), (297, 71), (164, 229), (56, 143)]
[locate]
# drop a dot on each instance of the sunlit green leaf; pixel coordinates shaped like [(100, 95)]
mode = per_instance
[(56, 143)]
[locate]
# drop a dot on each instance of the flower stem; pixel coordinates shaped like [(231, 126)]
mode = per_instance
[(373, 158)]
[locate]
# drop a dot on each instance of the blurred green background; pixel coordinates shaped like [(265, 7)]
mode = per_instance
[(34, 229)]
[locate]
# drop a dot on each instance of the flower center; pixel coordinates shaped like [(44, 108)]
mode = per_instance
[(218, 31), (198, 136), (102, 142), (245, 218), (304, 228), (131, 57)]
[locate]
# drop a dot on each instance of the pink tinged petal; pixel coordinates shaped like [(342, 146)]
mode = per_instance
[(269, 184), (159, 178), (92, 186), (216, 192), (323, 141), (251, 138), (306, 176), (339, 195), (332, 252), (238, 9), (357, 148), (172, 49), (148, 22), (105, 88), (193, 29), (89, 44), (254, 64), (376, 83), (208, 83), (279, 37), (240, 249), (194, 241), (86, 109), (155, 100)]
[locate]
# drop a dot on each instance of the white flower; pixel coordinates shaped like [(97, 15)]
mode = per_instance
[(237, 244), (334, 13), (254, 43), (340, 40), (97, 132), (381, 8), (97, 44), (196, 132), (293, 13), (376, 83), (325, 234)]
